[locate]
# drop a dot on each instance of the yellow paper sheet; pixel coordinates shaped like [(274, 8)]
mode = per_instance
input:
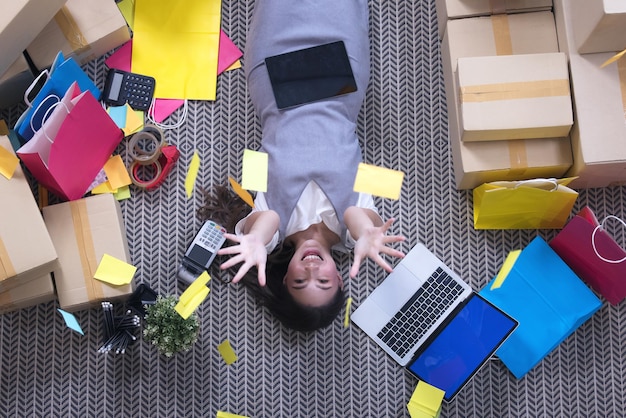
[(8, 163), (222, 414), (176, 42), (116, 172), (254, 170), (227, 352), (378, 181), (241, 192), (505, 269), (192, 173), (114, 271)]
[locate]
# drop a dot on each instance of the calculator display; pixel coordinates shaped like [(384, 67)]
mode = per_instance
[(116, 85)]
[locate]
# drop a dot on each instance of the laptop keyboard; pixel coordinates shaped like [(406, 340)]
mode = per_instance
[(420, 312)]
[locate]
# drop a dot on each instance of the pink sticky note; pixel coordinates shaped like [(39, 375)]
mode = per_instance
[(227, 54)]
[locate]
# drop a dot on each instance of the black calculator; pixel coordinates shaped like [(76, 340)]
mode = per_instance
[(123, 87)]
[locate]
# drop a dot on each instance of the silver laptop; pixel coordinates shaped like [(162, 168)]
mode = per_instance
[(411, 304)]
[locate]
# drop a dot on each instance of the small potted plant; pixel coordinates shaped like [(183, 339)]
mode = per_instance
[(167, 330)]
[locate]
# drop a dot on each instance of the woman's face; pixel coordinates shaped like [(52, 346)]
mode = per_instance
[(312, 278)]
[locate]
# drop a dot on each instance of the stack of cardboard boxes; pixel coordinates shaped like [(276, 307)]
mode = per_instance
[(525, 92), (56, 253), (39, 29)]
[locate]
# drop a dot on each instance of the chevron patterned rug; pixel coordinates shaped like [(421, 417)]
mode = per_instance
[(46, 370)]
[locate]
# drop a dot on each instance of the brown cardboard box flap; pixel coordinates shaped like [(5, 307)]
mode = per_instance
[(34, 292), (83, 30)]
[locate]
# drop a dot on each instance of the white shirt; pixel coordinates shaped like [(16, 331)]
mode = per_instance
[(313, 207)]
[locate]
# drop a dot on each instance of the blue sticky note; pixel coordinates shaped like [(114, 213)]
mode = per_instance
[(118, 114), (71, 322)]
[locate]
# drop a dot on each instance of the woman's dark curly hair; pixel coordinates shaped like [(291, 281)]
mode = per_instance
[(226, 208)]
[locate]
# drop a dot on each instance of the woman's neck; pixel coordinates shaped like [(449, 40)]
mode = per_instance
[(318, 232)]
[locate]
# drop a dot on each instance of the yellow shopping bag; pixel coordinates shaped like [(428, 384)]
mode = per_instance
[(527, 204)]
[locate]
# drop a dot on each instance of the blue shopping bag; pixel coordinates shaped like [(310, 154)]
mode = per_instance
[(62, 74), (547, 299)]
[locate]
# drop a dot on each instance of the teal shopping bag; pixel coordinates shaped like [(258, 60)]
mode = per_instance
[(547, 299)]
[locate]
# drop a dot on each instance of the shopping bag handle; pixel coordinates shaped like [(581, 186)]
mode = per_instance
[(45, 116), (593, 239), (30, 122), (540, 181), (32, 86), (181, 120)]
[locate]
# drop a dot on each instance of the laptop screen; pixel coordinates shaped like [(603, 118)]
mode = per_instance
[(310, 74), (463, 346)]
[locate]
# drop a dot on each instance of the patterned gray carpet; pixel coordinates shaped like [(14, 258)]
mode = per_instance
[(48, 370)]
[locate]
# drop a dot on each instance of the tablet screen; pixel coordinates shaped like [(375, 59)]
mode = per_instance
[(310, 74), (463, 346)]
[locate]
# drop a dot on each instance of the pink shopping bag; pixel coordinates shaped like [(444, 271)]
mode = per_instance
[(72, 146), (589, 250)]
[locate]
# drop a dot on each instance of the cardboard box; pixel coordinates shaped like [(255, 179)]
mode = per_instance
[(598, 25), (20, 22), (14, 83), (83, 231), (457, 9), (514, 97), (34, 292), (26, 250), (599, 96), (481, 162), (82, 29)]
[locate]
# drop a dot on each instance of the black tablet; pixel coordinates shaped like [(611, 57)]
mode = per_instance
[(310, 74)]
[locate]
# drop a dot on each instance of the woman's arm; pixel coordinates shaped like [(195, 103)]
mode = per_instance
[(258, 230), (371, 237)]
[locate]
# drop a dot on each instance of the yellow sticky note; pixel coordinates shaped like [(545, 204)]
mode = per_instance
[(613, 58), (122, 193), (234, 66), (222, 414), (425, 401), (177, 43), (227, 352), (346, 319), (103, 188), (378, 181), (243, 194), (510, 260), (194, 288), (114, 271), (134, 120), (116, 172), (254, 170), (8, 163), (193, 301), (192, 173)]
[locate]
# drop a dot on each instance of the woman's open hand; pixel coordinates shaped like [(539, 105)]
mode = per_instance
[(371, 243), (249, 251)]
